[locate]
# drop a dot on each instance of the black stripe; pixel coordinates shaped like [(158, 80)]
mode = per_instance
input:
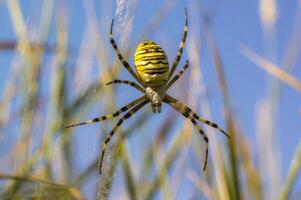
[(157, 57), (119, 122), (214, 125), (186, 113), (107, 140), (152, 73), (150, 49), (187, 109), (113, 43), (127, 115), (155, 69), (96, 120), (124, 108), (157, 50), (193, 121), (147, 43), (155, 63), (195, 116), (205, 137)]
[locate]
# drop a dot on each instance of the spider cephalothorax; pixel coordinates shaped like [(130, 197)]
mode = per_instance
[(156, 95), (155, 78)]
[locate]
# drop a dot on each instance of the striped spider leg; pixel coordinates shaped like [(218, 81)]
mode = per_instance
[(177, 76), (110, 116), (133, 84), (186, 114), (192, 116), (180, 51), (137, 104), (120, 57), (125, 117)]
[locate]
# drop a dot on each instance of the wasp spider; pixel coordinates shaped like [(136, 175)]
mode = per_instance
[(155, 79)]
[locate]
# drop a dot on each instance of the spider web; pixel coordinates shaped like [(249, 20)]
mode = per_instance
[(124, 16)]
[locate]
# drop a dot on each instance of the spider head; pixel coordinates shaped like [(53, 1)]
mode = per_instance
[(156, 96), (151, 63), (156, 108)]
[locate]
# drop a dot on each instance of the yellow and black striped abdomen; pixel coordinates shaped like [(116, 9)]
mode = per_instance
[(151, 63)]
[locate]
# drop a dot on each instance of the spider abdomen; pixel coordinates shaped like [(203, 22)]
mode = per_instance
[(151, 63)]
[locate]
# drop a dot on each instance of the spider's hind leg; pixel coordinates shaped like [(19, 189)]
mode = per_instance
[(180, 51), (120, 57), (177, 76), (133, 84)]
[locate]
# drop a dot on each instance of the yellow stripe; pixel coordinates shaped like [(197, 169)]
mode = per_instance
[(148, 54), (154, 62), (148, 47), (151, 66)]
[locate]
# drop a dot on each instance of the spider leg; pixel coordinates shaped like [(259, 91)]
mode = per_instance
[(125, 63), (133, 84), (177, 76), (180, 51), (187, 114), (108, 138), (110, 116), (194, 115)]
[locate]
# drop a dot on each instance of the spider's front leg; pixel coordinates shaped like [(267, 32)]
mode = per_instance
[(110, 116), (186, 114), (108, 138), (192, 116)]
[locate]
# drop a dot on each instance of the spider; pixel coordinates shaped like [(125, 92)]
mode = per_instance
[(155, 79)]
